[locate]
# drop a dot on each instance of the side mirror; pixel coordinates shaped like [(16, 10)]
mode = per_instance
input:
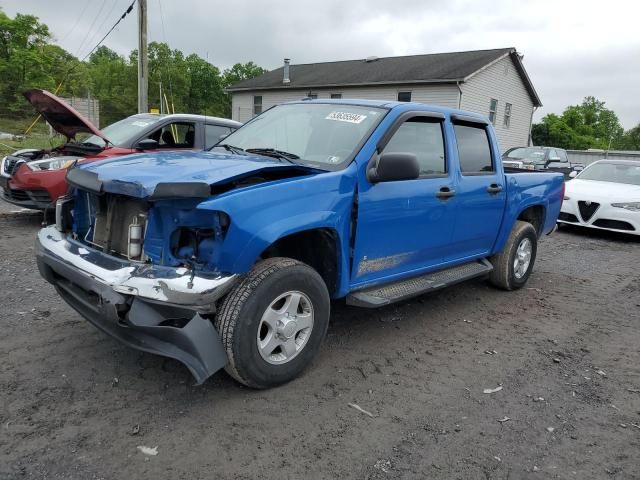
[(573, 174), (147, 144), (391, 167)]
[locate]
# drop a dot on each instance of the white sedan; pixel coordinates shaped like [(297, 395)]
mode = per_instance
[(606, 196)]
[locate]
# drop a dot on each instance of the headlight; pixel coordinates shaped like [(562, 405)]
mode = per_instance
[(51, 164), (633, 206)]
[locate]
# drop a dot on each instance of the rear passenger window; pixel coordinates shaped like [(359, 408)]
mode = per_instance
[(422, 137), (474, 151)]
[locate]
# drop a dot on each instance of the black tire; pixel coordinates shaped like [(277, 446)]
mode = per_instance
[(503, 274), (239, 318)]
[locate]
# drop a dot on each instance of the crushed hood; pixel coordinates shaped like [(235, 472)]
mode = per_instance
[(162, 175), (63, 118)]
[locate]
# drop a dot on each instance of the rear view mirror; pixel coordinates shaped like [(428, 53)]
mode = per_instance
[(573, 174), (391, 167), (147, 144)]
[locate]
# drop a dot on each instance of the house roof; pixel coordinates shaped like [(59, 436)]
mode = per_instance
[(412, 69)]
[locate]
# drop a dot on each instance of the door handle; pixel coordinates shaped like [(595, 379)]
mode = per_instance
[(494, 188), (445, 193)]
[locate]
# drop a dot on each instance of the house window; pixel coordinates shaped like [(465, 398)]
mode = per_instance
[(336, 95), (493, 108), (257, 104), (404, 96), (507, 115)]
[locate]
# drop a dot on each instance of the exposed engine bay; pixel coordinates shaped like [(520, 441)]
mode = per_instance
[(49, 159)]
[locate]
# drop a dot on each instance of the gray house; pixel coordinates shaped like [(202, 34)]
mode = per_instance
[(491, 82)]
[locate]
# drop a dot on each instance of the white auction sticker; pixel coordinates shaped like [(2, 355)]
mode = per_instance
[(346, 117)]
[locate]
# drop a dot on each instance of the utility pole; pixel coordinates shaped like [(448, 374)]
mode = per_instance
[(143, 61)]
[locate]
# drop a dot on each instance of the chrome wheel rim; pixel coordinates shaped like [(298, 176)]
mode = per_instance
[(523, 258), (285, 327)]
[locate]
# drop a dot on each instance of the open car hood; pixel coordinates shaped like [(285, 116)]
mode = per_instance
[(63, 118), (162, 175)]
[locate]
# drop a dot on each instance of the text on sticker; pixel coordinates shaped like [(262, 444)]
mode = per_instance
[(346, 117)]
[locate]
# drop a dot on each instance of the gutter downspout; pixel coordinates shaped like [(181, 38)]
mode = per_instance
[(459, 95), (530, 140)]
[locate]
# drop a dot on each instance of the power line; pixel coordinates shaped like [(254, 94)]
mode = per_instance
[(126, 12), (69, 32), (89, 30), (106, 17)]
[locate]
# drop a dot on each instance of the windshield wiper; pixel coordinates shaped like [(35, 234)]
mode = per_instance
[(229, 148), (272, 152)]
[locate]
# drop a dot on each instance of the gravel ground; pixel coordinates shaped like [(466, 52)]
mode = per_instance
[(565, 350)]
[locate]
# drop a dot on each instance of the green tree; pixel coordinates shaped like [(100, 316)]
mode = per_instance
[(28, 59), (631, 139), (588, 125)]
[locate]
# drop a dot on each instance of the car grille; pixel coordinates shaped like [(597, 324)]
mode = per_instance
[(512, 164), (614, 224), (587, 209), (16, 195), (39, 197), (567, 217)]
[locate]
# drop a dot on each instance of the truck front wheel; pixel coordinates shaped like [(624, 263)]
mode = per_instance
[(512, 266), (273, 322)]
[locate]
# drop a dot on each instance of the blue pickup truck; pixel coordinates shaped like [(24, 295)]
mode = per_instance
[(230, 258)]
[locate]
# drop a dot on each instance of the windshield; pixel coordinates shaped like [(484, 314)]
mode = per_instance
[(526, 154), (612, 172), (325, 134), (120, 132)]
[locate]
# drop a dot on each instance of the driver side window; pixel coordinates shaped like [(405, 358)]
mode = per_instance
[(422, 137)]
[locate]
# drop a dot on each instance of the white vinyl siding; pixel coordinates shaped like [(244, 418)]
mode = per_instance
[(501, 81), (445, 95)]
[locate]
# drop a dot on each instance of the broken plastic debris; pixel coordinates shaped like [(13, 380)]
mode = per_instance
[(550, 429), (556, 360), (497, 458), (538, 399), (490, 352), (361, 410), (153, 451), (633, 390), (505, 419), (492, 390), (602, 373), (535, 469), (135, 430)]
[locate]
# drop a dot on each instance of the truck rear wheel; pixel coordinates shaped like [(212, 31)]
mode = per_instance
[(512, 266), (273, 322)]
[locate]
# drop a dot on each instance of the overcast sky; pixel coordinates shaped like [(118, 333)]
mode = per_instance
[(571, 48)]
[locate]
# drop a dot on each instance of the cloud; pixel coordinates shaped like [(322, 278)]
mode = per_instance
[(572, 48)]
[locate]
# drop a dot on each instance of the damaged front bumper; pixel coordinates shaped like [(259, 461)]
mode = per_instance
[(151, 308)]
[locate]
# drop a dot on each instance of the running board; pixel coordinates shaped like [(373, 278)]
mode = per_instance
[(382, 295)]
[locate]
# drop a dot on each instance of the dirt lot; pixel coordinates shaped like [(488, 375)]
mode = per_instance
[(567, 355)]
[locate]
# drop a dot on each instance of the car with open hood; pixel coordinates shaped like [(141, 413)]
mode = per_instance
[(34, 178), (230, 258)]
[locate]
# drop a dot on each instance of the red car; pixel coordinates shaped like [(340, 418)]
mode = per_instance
[(34, 178)]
